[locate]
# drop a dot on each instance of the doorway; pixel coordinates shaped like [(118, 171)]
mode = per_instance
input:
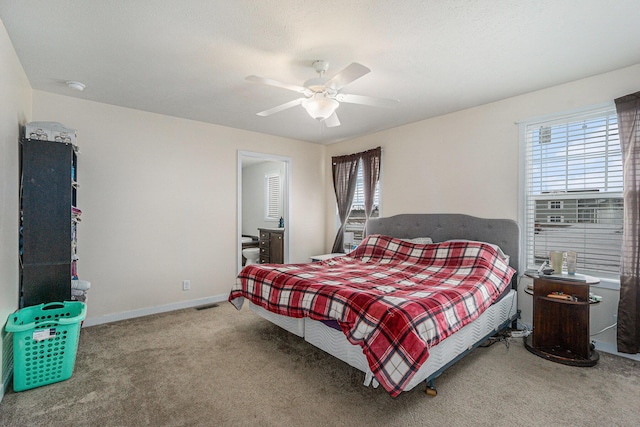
[(261, 202)]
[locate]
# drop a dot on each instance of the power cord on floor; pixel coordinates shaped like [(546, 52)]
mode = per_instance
[(504, 336), (520, 333), (499, 337), (605, 329)]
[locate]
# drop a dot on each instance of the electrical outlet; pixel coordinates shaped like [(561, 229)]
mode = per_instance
[(186, 285)]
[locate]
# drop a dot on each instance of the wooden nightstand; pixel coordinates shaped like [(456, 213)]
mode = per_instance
[(561, 320)]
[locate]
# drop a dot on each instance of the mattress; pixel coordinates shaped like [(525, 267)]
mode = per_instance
[(291, 324), (335, 343), (441, 355)]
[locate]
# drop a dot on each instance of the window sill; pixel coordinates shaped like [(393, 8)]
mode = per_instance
[(609, 281)]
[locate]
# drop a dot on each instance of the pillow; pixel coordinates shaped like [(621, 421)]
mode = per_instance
[(420, 240), (496, 247)]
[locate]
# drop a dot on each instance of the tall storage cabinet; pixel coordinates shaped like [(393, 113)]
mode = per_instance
[(47, 195)]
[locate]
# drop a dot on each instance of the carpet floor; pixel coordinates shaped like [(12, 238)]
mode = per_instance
[(221, 367)]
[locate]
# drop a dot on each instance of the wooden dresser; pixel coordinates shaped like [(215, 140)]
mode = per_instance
[(271, 245)]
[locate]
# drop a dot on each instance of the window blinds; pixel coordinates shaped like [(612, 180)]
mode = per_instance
[(573, 190), (272, 190)]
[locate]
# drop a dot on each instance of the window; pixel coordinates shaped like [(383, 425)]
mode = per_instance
[(272, 191), (555, 218), (354, 229), (555, 204), (573, 190)]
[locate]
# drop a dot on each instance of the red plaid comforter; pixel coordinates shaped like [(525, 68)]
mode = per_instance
[(393, 298)]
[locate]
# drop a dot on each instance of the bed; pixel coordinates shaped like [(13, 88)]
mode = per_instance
[(400, 335)]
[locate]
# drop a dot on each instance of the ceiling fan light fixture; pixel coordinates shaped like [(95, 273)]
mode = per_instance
[(320, 107)]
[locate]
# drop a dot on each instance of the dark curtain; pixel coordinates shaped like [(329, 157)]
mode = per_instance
[(370, 174), (345, 170), (628, 111)]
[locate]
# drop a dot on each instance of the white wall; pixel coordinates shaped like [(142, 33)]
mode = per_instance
[(158, 196), (15, 110), (468, 162), (253, 195)]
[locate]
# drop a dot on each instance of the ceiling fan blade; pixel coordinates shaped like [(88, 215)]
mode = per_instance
[(281, 107), (271, 82), (346, 76), (332, 121), (367, 100)]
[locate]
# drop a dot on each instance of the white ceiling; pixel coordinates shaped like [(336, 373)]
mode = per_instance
[(189, 58)]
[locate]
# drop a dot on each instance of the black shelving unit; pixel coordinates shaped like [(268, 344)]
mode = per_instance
[(47, 193)]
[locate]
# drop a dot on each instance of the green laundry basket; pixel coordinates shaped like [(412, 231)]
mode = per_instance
[(45, 339)]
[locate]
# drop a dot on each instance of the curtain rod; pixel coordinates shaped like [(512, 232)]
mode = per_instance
[(347, 156)]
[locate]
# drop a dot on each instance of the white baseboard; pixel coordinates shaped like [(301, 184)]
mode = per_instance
[(99, 320), (606, 347)]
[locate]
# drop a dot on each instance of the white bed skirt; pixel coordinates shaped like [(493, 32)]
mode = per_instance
[(291, 324), (335, 343)]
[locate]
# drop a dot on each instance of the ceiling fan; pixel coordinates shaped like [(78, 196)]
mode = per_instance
[(322, 96)]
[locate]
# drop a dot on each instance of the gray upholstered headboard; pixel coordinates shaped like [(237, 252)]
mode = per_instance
[(440, 227)]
